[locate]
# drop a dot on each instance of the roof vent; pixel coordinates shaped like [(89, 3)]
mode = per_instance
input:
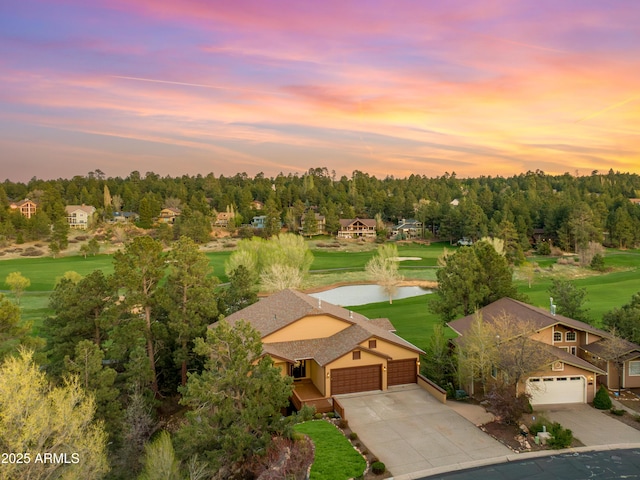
[(350, 314), (319, 303), (553, 310)]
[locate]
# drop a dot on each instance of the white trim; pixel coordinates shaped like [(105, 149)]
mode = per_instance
[(575, 336), (553, 338), (634, 374), (553, 366)]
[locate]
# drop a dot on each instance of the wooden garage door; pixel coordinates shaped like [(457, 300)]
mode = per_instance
[(356, 379), (400, 372)]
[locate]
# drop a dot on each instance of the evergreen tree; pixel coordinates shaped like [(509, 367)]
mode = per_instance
[(188, 296), (235, 402), (139, 270)]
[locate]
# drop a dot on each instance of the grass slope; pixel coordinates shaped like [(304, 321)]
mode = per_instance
[(335, 458), (411, 317)]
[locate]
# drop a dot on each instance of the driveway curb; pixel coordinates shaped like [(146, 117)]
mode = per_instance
[(512, 458)]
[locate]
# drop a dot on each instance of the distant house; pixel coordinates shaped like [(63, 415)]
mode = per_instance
[(257, 205), (537, 236), (321, 225), (407, 228), (357, 227), (259, 221), (79, 216), (635, 201), (223, 219), (26, 207), (455, 202), (125, 217), (169, 215)]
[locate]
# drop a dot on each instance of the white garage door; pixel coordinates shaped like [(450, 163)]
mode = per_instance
[(548, 390)]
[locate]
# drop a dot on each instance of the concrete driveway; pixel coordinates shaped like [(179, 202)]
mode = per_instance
[(590, 426), (410, 431)]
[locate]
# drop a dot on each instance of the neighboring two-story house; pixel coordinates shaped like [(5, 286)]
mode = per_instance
[(169, 215), (26, 207), (80, 216), (329, 350), (407, 228), (357, 227), (577, 367), (321, 224)]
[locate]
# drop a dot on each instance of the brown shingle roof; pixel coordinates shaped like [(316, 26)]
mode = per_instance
[(369, 222), (539, 317), (287, 306)]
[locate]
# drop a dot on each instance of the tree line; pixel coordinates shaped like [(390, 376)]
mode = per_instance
[(568, 211)]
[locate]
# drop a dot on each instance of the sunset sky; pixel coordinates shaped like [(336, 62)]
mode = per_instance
[(387, 87)]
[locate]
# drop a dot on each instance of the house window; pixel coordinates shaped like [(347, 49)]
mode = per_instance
[(570, 336), (558, 366), (557, 336), (356, 355), (634, 368), (373, 343)]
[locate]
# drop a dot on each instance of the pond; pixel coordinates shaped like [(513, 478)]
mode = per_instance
[(352, 295)]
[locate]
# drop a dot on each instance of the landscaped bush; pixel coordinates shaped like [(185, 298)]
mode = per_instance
[(353, 436), (342, 423), (378, 468), (331, 415), (544, 248), (617, 411), (504, 403), (560, 437), (538, 426), (317, 416), (602, 401)]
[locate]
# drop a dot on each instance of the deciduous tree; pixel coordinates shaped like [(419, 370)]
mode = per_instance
[(37, 418), (383, 268), (17, 283)]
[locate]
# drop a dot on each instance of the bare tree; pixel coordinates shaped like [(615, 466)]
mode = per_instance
[(614, 349), (383, 269)]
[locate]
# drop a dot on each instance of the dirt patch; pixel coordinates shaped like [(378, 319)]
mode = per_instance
[(627, 419)]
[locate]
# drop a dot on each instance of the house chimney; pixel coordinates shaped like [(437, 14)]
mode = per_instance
[(553, 310)]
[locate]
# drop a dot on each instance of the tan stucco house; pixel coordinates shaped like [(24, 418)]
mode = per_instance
[(79, 216), (329, 350), (169, 215), (577, 369)]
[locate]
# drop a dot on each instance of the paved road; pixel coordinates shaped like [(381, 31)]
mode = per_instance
[(411, 432), (601, 465)]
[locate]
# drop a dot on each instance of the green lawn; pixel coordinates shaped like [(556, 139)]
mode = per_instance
[(411, 317), (335, 458)]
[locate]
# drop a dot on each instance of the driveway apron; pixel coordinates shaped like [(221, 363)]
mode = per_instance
[(410, 431), (590, 426)]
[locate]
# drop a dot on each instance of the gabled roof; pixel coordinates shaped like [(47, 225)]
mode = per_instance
[(369, 222), (283, 308), (574, 360), (88, 209), (171, 210), (539, 317)]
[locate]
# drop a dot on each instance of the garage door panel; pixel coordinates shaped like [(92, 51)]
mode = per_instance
[(401, 372), (356, 379), (550, 390)]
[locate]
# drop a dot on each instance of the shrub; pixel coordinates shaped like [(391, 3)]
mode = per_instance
[(331, 415), (317, 416), (597, 262), (342, 423), (538, 425), (353, 436), (544, 248), (560, 437), (602, 401), (617, 411), (378, 468), (504, 403)]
